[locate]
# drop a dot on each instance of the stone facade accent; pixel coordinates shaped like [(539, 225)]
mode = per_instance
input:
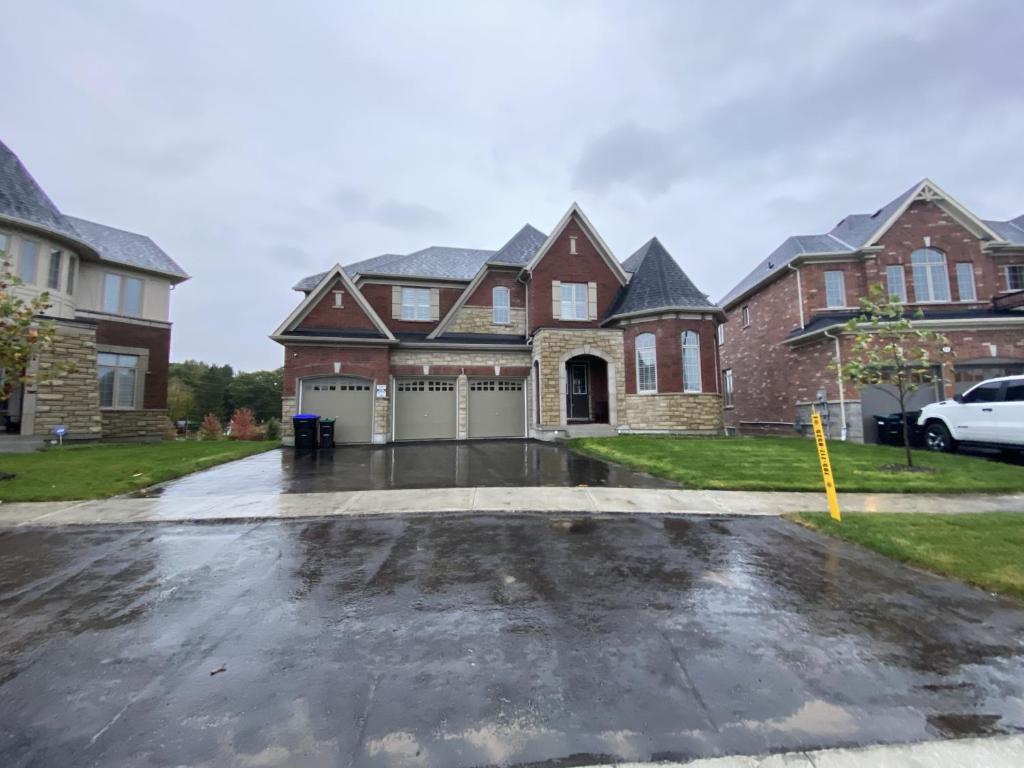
[(480, 320), (288, 405), (674, 412), (459, 357), (382, 418), (553, 346), (73, 398), (148, 425)]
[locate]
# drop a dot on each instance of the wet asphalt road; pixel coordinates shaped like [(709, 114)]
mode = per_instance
[(447, 464), (461, 641)]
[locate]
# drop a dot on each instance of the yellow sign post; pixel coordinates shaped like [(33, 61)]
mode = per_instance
[(826, 466)]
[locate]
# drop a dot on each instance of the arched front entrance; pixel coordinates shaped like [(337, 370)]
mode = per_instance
[(586, 391)]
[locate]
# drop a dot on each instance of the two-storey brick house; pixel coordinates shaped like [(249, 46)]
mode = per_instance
[(787, 317), (549, 335), (110, 301)]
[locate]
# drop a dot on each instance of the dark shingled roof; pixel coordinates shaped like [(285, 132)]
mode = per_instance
[(521, 248), (438, 262), (847, 236), (1012, 231), (22, 198), (126, 247), (658, 282)]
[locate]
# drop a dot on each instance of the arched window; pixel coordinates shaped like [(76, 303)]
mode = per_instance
[(691, 361), (931, 281), (646, 363), (500, 305)]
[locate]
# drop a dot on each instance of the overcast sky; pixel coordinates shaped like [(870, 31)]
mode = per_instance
[(258, 142)]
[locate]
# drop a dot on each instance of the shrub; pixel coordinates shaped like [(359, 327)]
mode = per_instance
[(272, 429), (210, 429), (170, 431), (243, 425)]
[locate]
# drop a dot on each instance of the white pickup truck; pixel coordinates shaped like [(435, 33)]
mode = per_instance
[(990, 414)]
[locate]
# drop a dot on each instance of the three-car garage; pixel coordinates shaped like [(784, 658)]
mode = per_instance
[(422, 408)]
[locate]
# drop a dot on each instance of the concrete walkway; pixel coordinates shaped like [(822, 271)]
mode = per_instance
[(528, 499), (993, 752)]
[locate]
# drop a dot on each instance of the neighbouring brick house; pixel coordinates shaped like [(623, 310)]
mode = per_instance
[(110, 300), (546, 337), (786, 317)]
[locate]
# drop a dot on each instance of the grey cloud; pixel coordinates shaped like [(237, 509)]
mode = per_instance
[(292, 256), (632, 155), (393, 214)]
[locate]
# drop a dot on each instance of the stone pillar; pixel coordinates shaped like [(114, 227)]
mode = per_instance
[(71, 398)]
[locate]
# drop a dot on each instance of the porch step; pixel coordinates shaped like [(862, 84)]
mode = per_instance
[(590, 430), (20, 444)]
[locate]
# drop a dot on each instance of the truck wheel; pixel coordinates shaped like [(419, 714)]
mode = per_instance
[(937, 438)]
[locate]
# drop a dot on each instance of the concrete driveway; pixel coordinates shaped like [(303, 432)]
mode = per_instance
[(491, 640), (448, 464)]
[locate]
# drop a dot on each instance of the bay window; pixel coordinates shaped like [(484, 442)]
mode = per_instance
[(646, 363), (691, 361)]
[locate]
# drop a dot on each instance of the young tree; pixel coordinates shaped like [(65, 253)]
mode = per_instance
[(243, 425), (889, 349), (22, 335), (210, 429)]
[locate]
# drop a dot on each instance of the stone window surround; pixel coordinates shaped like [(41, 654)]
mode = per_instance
[(142, 370)]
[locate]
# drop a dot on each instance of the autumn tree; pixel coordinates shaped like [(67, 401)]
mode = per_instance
[(889, 349), (22, 334)]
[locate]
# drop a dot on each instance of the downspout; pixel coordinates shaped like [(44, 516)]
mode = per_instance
[(799, 294), (839, 381)]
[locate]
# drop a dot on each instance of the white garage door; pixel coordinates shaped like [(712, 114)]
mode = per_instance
[(347, 400), (425, 409)]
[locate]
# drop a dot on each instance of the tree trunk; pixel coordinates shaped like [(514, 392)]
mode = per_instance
[(903, 423)]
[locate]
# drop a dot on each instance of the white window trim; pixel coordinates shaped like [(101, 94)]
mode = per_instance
[(413, 306), (720, 334), (574, 302), (842, 289), (728, 389), (903, 283), (1006, 277), (59, 253), (930, 279), (959, 283), (654, 351), (506, 307), (682, 368), (572, 246), (745, 315), (339, 302)]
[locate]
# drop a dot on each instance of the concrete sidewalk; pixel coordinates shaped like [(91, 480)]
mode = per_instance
[(527, 499), (992, 752)]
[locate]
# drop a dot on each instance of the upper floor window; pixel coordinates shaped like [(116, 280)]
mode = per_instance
[(727, 397), (931, 282), (53, 278), (691, 361), (72, 265), (574, 302), (835, 289), (500, 302), (646, 363), (28, 261), (721, 334), (965, 281), (116, 374), (416, 304), (1015, 277), (746, 315), (122, 295), (897, 282)]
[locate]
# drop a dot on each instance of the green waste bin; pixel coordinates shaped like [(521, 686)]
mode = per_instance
[(326, 433)]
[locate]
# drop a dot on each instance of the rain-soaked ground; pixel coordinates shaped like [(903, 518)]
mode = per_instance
[(471, 641), (447, 464)]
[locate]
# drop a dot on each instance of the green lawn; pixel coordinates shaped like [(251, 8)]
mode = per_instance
[(981, 549), (791, 464), (99, 471)]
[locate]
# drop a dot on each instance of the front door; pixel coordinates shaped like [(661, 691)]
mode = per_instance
[(579, 392)]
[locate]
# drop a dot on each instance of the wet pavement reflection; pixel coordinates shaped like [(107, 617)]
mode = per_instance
[(490, 640), (450, 464)]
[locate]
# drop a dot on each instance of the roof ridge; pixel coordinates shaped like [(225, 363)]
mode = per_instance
[(105, 226)]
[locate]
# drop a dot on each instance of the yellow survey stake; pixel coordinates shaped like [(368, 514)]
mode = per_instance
[(826, 466)]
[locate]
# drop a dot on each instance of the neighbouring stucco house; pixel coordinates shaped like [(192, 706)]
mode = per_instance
[(787, 317), (548, 336), (110, 301)]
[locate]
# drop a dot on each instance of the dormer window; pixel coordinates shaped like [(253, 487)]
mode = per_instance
[(337, 300), (572, 245)]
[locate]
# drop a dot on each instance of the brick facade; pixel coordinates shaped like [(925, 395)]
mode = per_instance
[(774, 381), (668, 346), (156, 340), (350, 316), (378, 296)]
